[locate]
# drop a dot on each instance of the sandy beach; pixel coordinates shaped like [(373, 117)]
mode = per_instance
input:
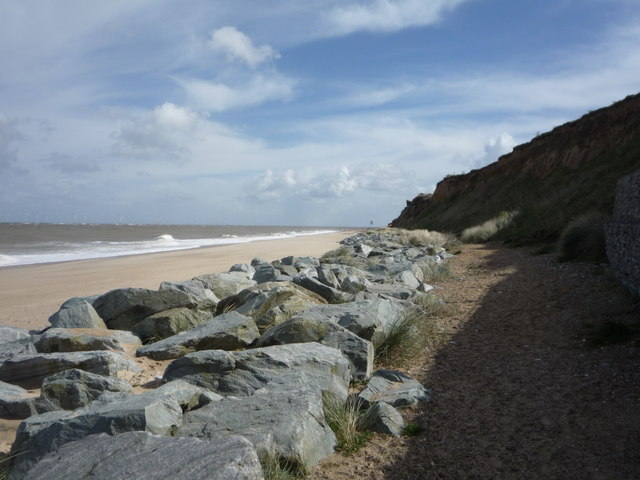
[(30, 294)]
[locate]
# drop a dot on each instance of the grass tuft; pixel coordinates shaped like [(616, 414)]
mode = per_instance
[(435, 272), (583, 239), (487, 230), (412, 429), (343, 418), (275, 468)]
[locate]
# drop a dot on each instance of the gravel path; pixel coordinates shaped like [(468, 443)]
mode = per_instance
[(520, 390)]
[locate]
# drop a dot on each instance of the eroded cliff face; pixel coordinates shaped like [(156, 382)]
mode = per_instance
[(600, 147)]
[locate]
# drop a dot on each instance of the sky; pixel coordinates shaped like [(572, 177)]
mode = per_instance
[(285, 112)]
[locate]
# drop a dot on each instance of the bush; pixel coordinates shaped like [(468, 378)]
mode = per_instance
[(487, 230), (583, 239)]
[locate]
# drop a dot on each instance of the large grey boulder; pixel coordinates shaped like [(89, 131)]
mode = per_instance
[(225, 284), (394, 388), (289, 425), (13, 334), (200, 295), (310, 281), (64, 340), (171, 322), (343, 277), (74, 388), (266, 273), (32, 369), (16, 402), (123, 308), (382, 418), (187, 395), (42, 434), (24, 346), (242, 373), (369, 319), (229, 331), (357, 350), (77, 312), (144, 456), (271, 303)]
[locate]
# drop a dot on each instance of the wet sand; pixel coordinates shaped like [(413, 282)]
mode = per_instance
[(30, 294)]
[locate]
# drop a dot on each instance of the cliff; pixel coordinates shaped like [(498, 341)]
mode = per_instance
[(553, 178)]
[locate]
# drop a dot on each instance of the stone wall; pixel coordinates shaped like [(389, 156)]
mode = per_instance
[(623, 232)]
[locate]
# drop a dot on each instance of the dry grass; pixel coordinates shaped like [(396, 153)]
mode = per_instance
[(487, 230), (583, 239), (343, 418)]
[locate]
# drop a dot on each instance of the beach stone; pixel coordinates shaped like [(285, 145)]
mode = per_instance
[(225, 284), (382, 418), (364, 249), (187, 395), (289, 425), (32, 369), (24, 346), (171, 322), (74, 388), (242, 373), (64, 340), (13, 334), (310, 281), (266, 273), (77, 312), (257, 261), (303, 263), (271, 303), (243, 267), (357, 350), (144, 456), (16, 402), (369, 319), (123, 308), (201, 296), (387, 291), (229, 331), (393, 387), (41, 434), (408, 279)]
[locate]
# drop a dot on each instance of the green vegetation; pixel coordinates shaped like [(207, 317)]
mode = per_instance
[(435, 272), (487, 230), (341, 256), (275, 468), (412, 429), (583, 239), (343, 418)]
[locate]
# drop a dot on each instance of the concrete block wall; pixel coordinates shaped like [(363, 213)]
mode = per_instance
[(623, 232)]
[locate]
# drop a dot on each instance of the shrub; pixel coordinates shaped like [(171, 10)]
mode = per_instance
[(343, 418), (435, 272), (487, 230), (583, 239)]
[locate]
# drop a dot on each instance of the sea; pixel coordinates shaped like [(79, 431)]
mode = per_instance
[(31, 243)]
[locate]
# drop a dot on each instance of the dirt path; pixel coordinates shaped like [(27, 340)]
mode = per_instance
[(519, 390)]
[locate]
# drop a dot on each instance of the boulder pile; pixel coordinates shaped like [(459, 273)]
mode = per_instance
[(254, 353)]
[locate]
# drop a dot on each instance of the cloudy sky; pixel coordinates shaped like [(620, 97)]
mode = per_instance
[(285, 112)]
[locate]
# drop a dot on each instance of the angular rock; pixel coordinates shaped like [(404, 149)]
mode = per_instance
[(229, 331), (408, 279), (24, 346), (144, 456), (388, 290), (123, 308), (13, 334), (225, 284), (32, 369), (16, 402), (171, 322), (201, 296), (74, 388), (364, 249), (394, 388), (382, 418), (42, 434), (369, 319), (242, 373), (77, 312), (243, 267), (287, 424), (302, 263), (64, 340), (257, 261), (310, 282), (265, 273), (271, 303), (357, 350)]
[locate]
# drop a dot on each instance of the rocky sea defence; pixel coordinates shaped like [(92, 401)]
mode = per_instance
[(248, 358)]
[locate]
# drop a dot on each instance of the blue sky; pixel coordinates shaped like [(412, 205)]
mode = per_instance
[(316, 112)]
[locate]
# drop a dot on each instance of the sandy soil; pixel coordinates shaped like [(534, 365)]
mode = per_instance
[(519, 389), (30, 294)]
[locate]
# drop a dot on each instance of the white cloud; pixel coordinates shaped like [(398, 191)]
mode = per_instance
[(387, 15), (236, 45), (495, 148), (219, 97)]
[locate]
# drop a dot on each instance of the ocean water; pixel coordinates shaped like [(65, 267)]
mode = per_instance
[(26, 244)]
